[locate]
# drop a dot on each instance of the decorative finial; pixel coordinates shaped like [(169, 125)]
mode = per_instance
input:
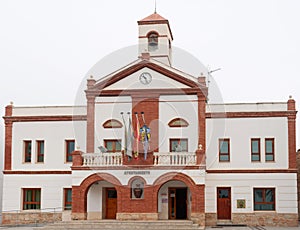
[(11, 103), (155, 7), (91, 77), (290, 97)]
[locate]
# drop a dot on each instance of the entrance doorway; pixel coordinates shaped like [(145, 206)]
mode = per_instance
[(111, 203), (224, 203), (177, 203)]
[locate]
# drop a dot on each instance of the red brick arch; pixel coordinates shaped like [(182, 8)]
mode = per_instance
[(197, 191), (79, 193)]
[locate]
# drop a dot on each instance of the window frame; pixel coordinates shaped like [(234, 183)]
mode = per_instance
[(259, 149), (33, 198), (68, 153), (25, 153), (38, 151), (224, 154), (183, 122), (178, 140), (114, 141), (109, 124), (66, 201), (264, 198), (273, 149)]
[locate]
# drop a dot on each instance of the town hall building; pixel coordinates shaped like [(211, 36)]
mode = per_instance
[(154, 148)]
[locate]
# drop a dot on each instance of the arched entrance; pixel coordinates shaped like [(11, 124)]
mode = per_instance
[(174, 201), (96, 197), (177, 191)]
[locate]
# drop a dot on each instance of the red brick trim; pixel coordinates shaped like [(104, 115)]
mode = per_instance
[(149, 92), (37, 172), (139, 167), (45, 118), (96, 89), (250, 114), (201, 129), (292, 133), (90, 126), (79, 193), (155, 22), (223, 171), (8, 139)]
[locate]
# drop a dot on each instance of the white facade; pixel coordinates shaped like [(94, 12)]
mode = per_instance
[(196, 183)]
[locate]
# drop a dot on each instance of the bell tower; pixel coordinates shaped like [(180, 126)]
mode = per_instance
[(155, 38)]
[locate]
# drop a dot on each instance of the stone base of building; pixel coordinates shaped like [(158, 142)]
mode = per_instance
[(78, 216), (272, 219), (137, 216), (30, 218), (198, 218)]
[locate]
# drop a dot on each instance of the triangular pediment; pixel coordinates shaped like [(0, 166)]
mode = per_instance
[(162, 77)]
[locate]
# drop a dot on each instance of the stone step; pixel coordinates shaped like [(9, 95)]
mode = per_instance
[(123, 225)]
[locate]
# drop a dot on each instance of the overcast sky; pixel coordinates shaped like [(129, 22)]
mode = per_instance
[(48, 46)]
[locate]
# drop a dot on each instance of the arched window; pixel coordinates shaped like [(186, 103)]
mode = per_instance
[(152, 41), (112, 123), (178, 122)]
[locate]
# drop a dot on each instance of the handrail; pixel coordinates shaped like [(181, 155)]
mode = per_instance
[(175, 158)]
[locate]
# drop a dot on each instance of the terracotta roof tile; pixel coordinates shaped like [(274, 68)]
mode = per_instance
[(154, 17)]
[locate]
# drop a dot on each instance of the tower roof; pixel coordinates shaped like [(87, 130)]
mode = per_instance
[(155, 19)]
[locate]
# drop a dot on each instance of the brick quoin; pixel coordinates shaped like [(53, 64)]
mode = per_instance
[(291, 106), (8, 137)]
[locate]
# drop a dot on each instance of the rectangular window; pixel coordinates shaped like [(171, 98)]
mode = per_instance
[(113, 146), (27, 151), (269, 149), (70, 147), (224, 150), (67, 198), (31, 198), (255, 149), (264, 199), (40, 151), (178, 145)]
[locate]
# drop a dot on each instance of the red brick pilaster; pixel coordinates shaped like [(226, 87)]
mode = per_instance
[(90, 132), (77, 158), (8, 137), (291, 106), (201, 129)]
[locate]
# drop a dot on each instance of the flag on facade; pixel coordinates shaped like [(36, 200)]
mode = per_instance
[(145, 138), (129, 138), (125, 134), (137, 136)]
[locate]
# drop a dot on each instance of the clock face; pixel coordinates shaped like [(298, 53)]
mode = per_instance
[(145, 78)]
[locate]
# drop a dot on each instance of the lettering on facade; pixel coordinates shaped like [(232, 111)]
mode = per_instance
[(136, 172)]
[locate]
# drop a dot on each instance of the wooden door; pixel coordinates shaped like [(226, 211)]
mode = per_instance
[(224, 203), (111, 203), (177, 203)]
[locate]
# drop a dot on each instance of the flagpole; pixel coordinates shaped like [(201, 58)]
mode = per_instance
[(137, 134), (143, 117)]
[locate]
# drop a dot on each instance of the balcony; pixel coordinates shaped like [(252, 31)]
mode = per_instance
[(175, 158), (156, 159), (102, 159)]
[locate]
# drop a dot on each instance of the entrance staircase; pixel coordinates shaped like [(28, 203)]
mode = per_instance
[(123, 225)]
